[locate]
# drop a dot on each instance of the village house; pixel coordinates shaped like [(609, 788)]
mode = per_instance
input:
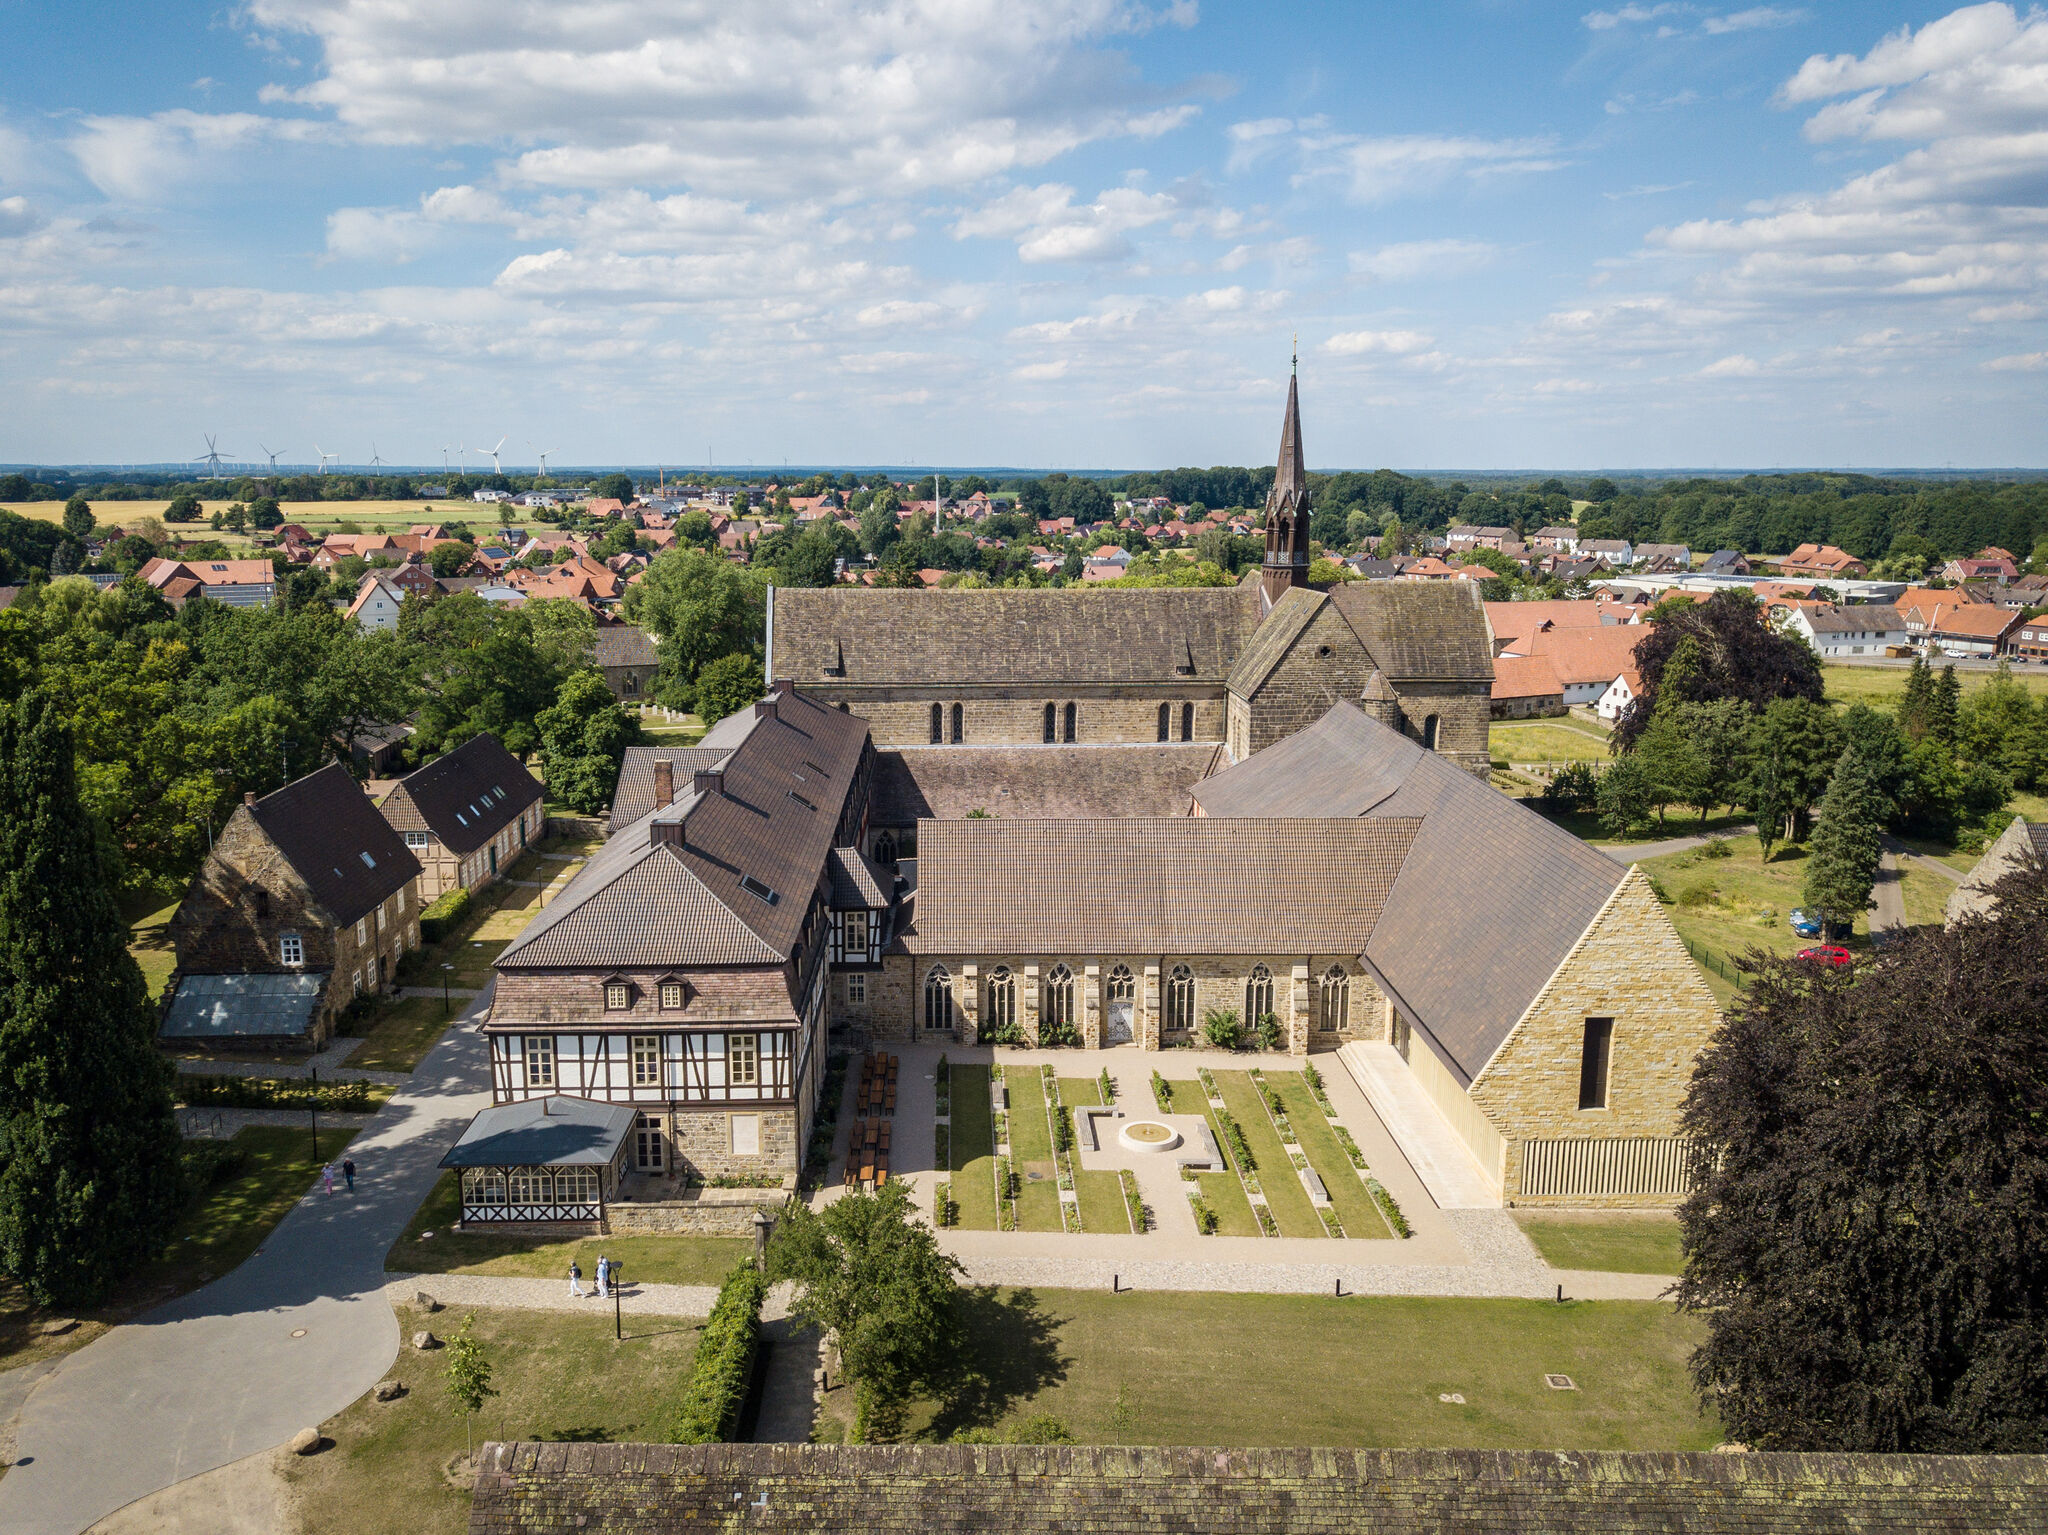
[(1994, 565), (1555, 540), (1947, 623), (1822, 562), (466, 815), (377, 602), (307, 900), (625, 657), (238, 583), (1865, 629)]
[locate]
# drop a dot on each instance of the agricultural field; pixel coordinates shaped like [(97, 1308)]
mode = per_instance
[(1880, 686)]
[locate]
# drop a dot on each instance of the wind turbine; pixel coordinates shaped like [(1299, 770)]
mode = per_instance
[(211, 457), (492, 454), (375, 461), (325, 458), (543, 457), (444, 458), (271, 456)]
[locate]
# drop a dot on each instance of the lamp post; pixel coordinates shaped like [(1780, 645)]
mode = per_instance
[(445, 968)]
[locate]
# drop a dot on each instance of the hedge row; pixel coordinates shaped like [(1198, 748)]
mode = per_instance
[(274, 1093), (439, 919), (724, 1366)]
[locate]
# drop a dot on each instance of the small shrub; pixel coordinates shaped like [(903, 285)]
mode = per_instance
[(1205, 1218), (274, 1093), (206, 1163), (1271, 1036), (1575, 788), (1267, 1224), (1208, 1082), (1221, 1029), (1009, 1034), (1162, 1096), (1107, 1086), (1042, 1429), (1134, 1205), (1705, 893), (723, 1366), (1719, 847), (1233, 1136), (1313, 1078), (1350, 1146), (1062, 1129), (944, 1211), (1330, 1222), (1059, 1034), (1389, 1208)]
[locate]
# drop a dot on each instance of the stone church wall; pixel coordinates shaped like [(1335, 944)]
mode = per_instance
[(991, 716)]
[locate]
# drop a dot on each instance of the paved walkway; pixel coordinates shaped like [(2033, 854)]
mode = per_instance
[(218, 1374), (788, 1410), (1890, 910), (1636, 852), (1440, 1159), (327, 1062), (1921, 861)]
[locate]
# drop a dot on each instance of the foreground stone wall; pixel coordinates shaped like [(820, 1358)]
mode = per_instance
[(710, 1213), (647, 1489)]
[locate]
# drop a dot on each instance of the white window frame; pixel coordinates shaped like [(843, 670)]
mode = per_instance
[(291, 949), (362, 930), (857, 987), (736, 1074), (539, 1060), (646, 1053), (672, 999), (618, 996)]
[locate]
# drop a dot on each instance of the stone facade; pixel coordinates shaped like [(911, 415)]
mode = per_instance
[(896, 1011), (706, 1212), (2014, 848), (996, 715), (701, 1140), (1632, 967)]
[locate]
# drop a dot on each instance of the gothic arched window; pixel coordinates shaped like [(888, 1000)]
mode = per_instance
[(1165, 720), (938, 999), (1187, 722), (885, 847), (1048, 724), (938, 724), (1000, 1013), (1056, 1015), (1429, 726), (1180, 1001), (959, 725), (1121, 987), (1258, 994), (1069, 732), (1333, 1012)]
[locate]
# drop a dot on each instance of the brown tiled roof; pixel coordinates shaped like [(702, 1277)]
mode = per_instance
[(1037, 783), (624, 645), (1170, 886), (465, 796), (1525, 677), (670, 885), (1491, 896), (327, 829), (1051, 635), (856, 881), (1583, 656), (634, 796), (1297, 606), (943, 1489), (1416, 631)]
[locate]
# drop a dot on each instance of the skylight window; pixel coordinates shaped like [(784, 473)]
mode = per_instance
[(462, 818), (814, 767), (754, 887), (801, 800), (368, 861)]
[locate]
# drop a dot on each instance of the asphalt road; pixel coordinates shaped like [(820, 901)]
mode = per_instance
[(288, 1339)]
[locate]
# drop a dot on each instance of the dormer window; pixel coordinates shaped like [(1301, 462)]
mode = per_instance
[(617, 996), (671, 996)]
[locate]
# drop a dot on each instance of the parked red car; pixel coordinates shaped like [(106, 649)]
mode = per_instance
[(1826, 954)]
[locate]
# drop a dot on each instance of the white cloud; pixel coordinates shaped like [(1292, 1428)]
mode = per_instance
[(1735, 365), (1711, 23), (142, 159), (1756, 18), (2025, 362), (1357, 343), (1606, 21), (17, 218), (1412, 259), (1380, 169), (1048, 225)]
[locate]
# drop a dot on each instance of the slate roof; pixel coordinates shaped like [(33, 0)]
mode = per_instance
[(554, 1131), (667, 889), (465, 796), (942, 1489), (624, 645), (1037, 783), (856, 881), (244, 1006), (634, 796), (1863, 618), (1490, 897), (1049, 636), (348, 854), (1295, 610), (1419, 630), (1184, 885)]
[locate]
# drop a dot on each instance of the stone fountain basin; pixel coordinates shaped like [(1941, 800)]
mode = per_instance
[(1148, 1135)]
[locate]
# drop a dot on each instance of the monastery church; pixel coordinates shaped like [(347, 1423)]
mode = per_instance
[(1088, 817)]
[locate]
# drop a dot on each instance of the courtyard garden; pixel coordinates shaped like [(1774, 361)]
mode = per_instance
[(1615, 1244)]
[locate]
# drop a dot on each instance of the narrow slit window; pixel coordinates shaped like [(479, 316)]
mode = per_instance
[(1595, 1057)]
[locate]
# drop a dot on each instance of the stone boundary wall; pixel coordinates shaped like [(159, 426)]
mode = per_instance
[(640, 1489), (713, 1213)]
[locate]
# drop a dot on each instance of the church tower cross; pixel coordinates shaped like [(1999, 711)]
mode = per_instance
[(1287, 509)]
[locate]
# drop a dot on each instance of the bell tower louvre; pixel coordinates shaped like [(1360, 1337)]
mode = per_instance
[(1287, 510)]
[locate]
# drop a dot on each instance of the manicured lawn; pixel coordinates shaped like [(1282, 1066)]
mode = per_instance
[(1622, 1245), (649, 1259), (1360, 1216), (1285, 1196), (472, 960), (1080, 1092), (1038, 1203), (558, 1378), (1881, 686), (149, 941), (1220, 1190), (1730, 905), (973, 1150), (1102, 1201), (213, 1235), (1218, 1369), (1926, 896), (1548, 742), (1038, 1200), (397, 1037)]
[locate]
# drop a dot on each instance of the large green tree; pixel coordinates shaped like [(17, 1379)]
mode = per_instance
[(870, 1273), (1841, 868), (699, 606), (1863, 1237), (89, 1175), (584, 735)]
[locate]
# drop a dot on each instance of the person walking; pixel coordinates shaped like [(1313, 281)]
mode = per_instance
[(348, 1171), (327, 1177), (576, 1280), (603, 1273)]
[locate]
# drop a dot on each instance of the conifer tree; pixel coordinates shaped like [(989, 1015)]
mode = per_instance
[(1913, 703), (1842, 867), (89, 1163), (1944, 705)]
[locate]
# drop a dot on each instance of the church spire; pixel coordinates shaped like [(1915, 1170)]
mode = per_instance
[(1287, 508)]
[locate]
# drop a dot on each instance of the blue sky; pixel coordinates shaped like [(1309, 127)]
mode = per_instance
[(1070, 233)]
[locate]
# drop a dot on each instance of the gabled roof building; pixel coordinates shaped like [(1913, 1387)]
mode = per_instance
[(466, 814)]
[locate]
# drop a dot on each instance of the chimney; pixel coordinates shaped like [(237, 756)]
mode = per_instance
[(788, 684), (664, 781), (248, 796), (709, 781), (765, 709)]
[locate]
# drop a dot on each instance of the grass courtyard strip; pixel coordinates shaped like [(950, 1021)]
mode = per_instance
[(1081, 1092), (1060, 1126), (1038, 1202), (398, 1037), (1285, 1196), (1222, 1191), (1363, 1371), (973, 1149), (643, 1259), (1102, 1202), (1355, 1208), (1297, 1154), (1623, 1245)]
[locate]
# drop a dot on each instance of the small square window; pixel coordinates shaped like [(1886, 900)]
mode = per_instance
[(615, 996), (671, 996), (291, 949), (415, 839), (856, 988)]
